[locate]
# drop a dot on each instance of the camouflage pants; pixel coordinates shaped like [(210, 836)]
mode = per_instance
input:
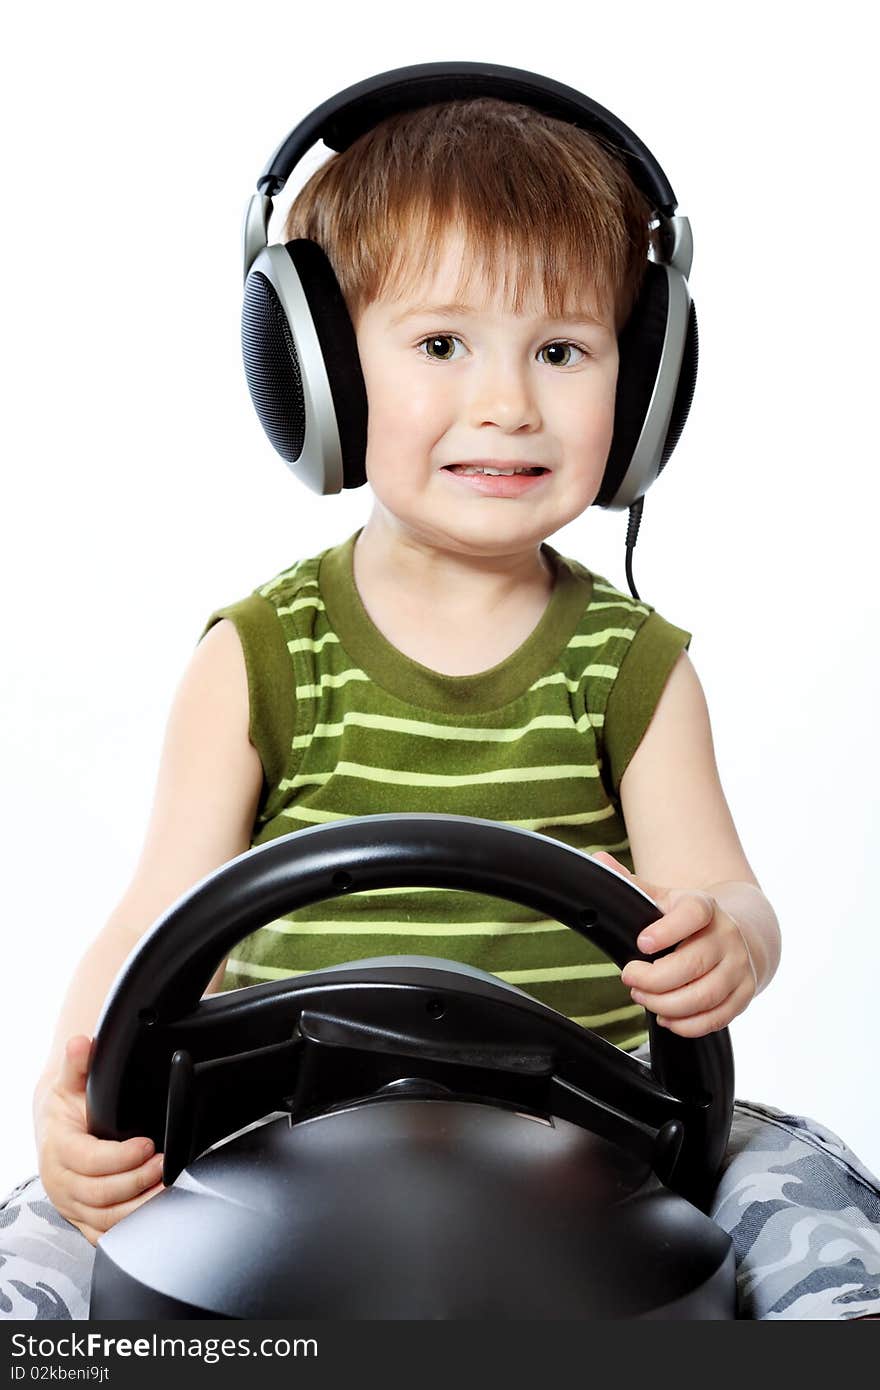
[(802, 1210)]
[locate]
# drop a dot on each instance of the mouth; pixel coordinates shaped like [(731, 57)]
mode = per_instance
[(490, 469), (496, 481)]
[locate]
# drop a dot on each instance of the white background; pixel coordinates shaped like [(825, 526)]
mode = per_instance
[(139, 491)]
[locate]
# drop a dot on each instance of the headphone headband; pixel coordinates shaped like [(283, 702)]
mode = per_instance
[(345, 116)]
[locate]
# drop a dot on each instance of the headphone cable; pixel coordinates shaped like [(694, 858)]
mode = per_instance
[(632, 531)]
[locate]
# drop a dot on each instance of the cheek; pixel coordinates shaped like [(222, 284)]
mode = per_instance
[(588, 425), (403, 425), (586, 435), (605, 428), (403, 411)]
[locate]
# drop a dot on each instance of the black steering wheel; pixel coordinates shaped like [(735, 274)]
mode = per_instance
[(189, 1071)]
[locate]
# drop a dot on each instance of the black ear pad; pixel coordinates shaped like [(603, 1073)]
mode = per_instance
[(338, 343), (640, 348)]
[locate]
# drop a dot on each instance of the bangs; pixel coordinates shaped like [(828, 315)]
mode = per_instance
[(513, 264), (548, 212)]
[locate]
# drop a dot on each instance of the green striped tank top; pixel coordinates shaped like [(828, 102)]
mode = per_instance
[(347, 725)]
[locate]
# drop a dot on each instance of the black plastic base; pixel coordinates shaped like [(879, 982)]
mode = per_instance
[(416, 1209)]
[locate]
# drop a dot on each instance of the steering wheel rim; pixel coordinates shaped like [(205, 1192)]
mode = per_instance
[(161, 985)]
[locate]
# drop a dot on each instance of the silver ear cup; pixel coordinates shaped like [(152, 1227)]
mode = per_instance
[(286, 374), (651, 452), (658, 371)]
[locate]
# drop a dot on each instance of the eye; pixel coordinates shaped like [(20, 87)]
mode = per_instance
[(437, 346), (561, 348)]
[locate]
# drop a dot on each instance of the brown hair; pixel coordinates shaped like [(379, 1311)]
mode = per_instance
[(553, 197)]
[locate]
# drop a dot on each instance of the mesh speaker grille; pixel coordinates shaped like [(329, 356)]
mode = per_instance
[(272, 368), (687, 380)]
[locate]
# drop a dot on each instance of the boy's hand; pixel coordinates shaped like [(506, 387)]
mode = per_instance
[(708, 979), (92, 1182)]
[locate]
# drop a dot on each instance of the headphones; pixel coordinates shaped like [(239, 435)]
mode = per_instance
[(298, 341)]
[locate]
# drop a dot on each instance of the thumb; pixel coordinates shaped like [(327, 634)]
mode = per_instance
[(655, 891), (75, 1063), (611, 863)]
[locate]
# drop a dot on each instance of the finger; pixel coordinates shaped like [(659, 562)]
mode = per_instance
[(695, 998), (687, 911), (91, 1235), (655, 891), (75, 1064), (112, 1189), (612, 863), (699, 1025), (89, 1204), (109, 1216), (690, 961), (82, 1153)]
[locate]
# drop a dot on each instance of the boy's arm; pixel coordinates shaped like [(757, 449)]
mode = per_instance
[(207, 791), (680, 829)]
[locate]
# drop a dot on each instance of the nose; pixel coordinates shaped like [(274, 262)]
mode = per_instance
[(503, 395)]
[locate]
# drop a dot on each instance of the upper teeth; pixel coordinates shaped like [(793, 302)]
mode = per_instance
[(500, 472)]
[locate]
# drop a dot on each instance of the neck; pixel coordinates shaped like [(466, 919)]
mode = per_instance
[(435, 571)]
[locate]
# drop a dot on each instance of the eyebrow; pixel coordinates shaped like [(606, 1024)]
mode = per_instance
[(578, 315)]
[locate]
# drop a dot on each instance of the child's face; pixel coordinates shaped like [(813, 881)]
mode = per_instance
[(485, 385)]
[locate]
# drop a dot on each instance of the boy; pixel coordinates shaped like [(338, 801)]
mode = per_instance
[(447, 634)]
